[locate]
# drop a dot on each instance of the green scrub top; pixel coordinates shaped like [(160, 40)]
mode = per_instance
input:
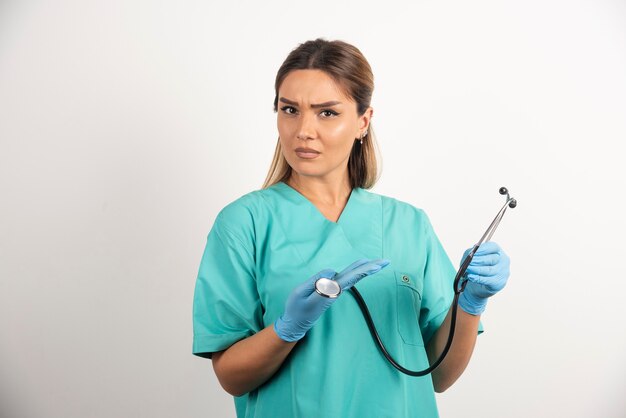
[(269, 241)]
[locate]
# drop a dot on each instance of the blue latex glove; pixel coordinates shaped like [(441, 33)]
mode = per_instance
[(486, 275), (304, 305)]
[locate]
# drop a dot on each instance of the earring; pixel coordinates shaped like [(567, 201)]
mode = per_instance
[(362, 136)]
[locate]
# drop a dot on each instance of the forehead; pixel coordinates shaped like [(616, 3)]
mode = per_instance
[(313, 86)]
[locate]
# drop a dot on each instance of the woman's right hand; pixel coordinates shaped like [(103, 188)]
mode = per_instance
[(304, 305)]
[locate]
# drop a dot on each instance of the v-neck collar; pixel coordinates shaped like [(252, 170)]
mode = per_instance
[(359, 225), (299, 197)]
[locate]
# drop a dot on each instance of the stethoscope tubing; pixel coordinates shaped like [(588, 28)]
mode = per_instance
[(383, 349), (458, 286)]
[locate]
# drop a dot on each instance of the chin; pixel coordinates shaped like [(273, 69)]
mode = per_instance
[(307, 173), (306, 170)]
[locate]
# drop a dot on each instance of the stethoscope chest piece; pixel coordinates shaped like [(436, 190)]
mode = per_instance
[(327, 287)]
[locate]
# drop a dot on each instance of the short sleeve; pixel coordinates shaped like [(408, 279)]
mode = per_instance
[(226, 304), (438, 292)]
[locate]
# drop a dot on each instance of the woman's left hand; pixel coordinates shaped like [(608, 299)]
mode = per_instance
[(486, 275)]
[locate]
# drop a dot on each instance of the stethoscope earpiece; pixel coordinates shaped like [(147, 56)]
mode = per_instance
[(511, 202)]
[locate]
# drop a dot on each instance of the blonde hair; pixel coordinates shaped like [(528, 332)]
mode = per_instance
[(347, 66)]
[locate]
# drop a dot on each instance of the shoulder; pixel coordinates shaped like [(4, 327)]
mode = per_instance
[(254, 210), (398, 210), (238, 220), (241, 209), (243, 212)]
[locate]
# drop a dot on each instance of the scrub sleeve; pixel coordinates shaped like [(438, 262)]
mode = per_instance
[(226, 303)]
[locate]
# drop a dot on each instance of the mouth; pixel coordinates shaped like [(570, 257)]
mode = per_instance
[(307, 153)]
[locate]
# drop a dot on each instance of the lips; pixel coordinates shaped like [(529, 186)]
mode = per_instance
[(307, 150), (307, 153)]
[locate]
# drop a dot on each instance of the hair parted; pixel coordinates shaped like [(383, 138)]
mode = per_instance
[(347, 66)]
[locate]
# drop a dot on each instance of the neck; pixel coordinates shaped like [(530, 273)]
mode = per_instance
[(334, 192)]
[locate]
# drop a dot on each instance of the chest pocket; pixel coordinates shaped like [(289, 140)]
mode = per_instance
[(409, 297)]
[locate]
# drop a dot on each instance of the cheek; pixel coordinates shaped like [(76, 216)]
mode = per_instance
[(340, 134), (282, 126), (340, 129)]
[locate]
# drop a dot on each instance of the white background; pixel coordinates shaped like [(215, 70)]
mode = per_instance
[(125, 126)]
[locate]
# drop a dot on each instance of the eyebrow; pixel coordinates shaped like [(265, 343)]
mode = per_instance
[(325, 104)]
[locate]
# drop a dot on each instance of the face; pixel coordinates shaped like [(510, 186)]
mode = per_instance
[(317, 124)]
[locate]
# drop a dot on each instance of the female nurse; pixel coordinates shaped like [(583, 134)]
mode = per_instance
[(281, 348)]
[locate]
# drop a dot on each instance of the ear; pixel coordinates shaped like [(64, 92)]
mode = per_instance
[(365, 119)]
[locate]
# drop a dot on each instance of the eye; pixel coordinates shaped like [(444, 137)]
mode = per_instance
[(290, 110), (329, 113)]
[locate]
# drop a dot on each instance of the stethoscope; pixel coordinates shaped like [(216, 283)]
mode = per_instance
[(331, 289)]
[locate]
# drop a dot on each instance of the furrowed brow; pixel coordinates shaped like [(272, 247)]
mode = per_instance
[(325, 104)]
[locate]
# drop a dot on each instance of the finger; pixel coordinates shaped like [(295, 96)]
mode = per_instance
[(358, 267), (372, 267), (474, 278), (488, 247), (382, 262), (485, 271), (352, 278), (492, 284), (485, 260), (354, 265), (500, 269), (328, 273)]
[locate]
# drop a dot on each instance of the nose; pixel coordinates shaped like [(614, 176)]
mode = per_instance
[(306, 129)]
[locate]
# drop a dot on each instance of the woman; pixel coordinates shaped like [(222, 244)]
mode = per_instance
[(283, 349)]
